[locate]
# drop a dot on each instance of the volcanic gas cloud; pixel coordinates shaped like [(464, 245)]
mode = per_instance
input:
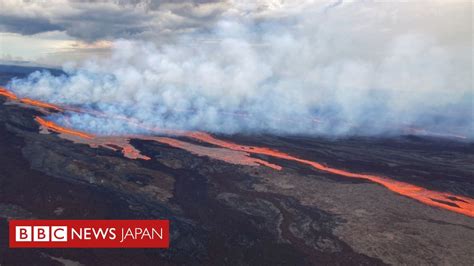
[(347, 69)]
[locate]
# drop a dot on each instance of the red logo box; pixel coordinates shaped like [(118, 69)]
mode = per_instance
[(89, 233)]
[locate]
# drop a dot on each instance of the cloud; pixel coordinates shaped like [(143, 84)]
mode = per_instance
[(26, 25), (105, 22), (359, 68), (94, 20)]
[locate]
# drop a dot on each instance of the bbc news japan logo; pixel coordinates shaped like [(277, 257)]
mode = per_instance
[(89, 233), (41, 233)]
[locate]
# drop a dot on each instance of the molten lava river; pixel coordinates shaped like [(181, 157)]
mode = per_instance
[(229, 152)]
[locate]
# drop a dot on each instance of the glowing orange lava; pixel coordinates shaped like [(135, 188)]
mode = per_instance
[(448, 201), (54, 127), (10, 95), (130, 152), (40, 104), (113, 143)]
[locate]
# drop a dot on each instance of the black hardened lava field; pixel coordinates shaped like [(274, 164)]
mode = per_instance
[(241, 199)]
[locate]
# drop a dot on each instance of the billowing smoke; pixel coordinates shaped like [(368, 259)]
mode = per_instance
[(354, 69)]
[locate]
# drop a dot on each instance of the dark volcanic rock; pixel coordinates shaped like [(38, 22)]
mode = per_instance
[(222, 213)]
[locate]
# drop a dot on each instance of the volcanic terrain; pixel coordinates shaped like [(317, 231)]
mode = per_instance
[(237, 199)]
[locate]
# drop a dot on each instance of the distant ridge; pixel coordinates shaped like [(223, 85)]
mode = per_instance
[(14, 69), (8, 72)]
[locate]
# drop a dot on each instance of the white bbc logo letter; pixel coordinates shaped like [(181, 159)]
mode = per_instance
[(41, 233), (59, 233), (23, 233)]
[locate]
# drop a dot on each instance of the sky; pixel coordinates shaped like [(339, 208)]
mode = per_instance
[(365, 67), (55, 31)]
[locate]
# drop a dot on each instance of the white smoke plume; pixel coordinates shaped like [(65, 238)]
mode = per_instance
[(340, 69)]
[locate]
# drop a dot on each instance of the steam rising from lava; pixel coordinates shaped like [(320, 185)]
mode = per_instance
[(313, 71)]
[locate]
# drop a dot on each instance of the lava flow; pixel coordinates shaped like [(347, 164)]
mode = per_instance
[(241, 155), (10, 95), (112, 143), (455, 203), (448, 201), (226, 155), (30, 102), (123, 143), (40, 104), (54, 127)]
